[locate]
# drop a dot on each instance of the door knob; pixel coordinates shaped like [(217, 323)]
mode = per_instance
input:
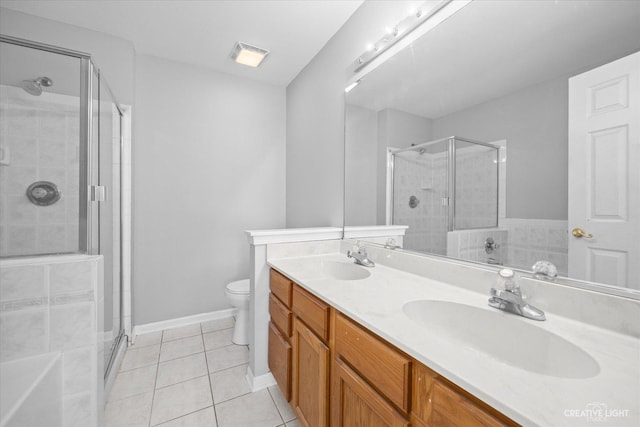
[(579, 232)]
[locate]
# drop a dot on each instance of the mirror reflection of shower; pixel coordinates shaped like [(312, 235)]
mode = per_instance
[(34, 87), (457, 181)]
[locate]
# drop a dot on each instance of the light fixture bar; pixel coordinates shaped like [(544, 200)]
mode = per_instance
[(246, 54), (397, 33)]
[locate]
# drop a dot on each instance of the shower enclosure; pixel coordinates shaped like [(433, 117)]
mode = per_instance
[(60, 163), (441, 186)]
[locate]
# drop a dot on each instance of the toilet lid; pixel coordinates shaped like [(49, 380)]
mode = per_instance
[(238, 287)]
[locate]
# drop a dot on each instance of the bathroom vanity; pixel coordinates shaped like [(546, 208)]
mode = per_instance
[(395, 346), (321, 358)]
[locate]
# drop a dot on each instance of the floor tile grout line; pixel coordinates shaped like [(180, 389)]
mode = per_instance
[(206, 360), (181, 357), (153, 398), (134, 349), (186, 355), (222, 346), (235, 397), (128, 397), (190, 413), (274, 404), (181, 381), (137, 346), (180, 338)]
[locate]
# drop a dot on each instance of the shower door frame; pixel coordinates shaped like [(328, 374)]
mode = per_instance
[(88, 221), (451, 176)]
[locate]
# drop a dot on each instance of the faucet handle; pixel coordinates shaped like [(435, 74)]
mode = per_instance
[(544, 270), (507, 280)]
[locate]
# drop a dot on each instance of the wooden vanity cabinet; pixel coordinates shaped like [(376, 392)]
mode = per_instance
[(280, 330), (438, 403), (310, 380), (356, 403), (371, 385), (311, 359), (334, 371)]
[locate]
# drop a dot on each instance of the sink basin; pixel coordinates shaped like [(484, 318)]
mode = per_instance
[(344, 271), (511, 339)]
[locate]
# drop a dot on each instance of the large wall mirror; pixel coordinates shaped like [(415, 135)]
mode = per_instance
[(508, 134)]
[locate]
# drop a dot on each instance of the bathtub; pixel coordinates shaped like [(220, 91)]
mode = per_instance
[(31, 391)]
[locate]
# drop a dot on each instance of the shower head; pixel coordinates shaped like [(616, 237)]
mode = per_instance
[(34, 87)]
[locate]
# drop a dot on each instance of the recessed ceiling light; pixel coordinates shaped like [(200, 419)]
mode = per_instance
[(247, 54)]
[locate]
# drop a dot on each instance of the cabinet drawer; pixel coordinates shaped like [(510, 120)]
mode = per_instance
[(312, 311), (453, 409), (382, 366), (281, 287), (280, 360), (280, 315)]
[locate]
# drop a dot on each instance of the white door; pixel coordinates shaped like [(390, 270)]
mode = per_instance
[(604, 173)]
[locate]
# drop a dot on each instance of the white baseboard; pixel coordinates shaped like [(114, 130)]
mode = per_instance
[(260, 382), (181, 321)]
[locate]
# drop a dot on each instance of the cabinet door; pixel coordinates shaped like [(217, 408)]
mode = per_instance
[(280, 360), (436, 404), (310, 377), (355, 403)]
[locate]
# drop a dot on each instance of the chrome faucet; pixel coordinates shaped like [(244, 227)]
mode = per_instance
[(391, 244), (510, 298), (360, 257)]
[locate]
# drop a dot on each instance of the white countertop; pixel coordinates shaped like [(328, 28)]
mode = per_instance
[(528, 398)]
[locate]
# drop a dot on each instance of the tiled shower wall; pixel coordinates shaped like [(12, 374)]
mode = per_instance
[(39, 139), (476, 188), (422, 176), (48, 304), (532, 240), (470, 245), (425, 176)]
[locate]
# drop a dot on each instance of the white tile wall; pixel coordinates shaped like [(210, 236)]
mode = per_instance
[(42, 136), (476, 188), (470, 245), (49, 304), (425, 176), (532, 240)]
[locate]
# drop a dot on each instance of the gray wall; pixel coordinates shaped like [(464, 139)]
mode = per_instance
[(209, 156), (534, 123), (361, 134), (114, 56), (315, 117)]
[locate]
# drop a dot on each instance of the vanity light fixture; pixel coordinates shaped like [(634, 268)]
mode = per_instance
[(351, 86), (246, 54), (393, 35)]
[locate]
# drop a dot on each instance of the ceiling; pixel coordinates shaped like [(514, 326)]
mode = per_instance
[(492, 48), (202, 33)]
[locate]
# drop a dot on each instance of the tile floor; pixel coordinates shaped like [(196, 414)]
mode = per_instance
[(192, 376)]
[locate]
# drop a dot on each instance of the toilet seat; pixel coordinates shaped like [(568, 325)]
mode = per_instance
[(239, 287)]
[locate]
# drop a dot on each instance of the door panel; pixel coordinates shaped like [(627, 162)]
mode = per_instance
[(604, 177)]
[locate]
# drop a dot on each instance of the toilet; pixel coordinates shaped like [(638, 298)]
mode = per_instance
[(238, 296)]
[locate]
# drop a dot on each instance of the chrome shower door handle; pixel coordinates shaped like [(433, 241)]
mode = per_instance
[(98, 193)]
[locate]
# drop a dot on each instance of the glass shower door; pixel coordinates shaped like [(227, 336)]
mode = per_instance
[(40, 154), (420, 195), (106, 127), (476, 186)]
